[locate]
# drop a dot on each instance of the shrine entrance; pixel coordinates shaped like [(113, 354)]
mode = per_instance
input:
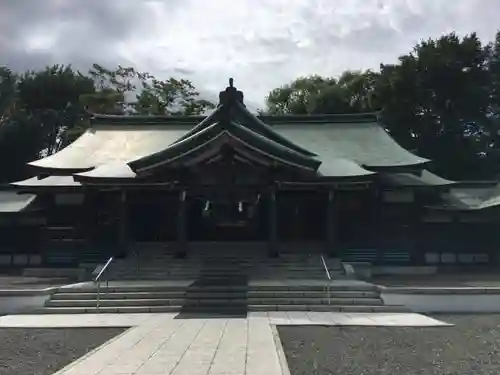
[(231, 218)]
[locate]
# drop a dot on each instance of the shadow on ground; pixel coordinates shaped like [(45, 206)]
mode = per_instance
[(216, 298)]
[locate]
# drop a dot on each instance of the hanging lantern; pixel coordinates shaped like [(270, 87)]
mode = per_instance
[(206, 209)]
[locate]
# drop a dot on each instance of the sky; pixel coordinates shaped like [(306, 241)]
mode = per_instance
[(262, 44)]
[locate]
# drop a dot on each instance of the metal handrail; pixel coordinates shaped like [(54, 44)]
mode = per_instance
[(97, 280), (329, 277)]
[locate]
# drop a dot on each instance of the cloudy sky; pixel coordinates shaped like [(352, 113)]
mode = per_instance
[(261, 43)]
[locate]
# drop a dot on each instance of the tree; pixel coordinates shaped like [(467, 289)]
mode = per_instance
[(116, 88), (51, 98), (42, 111), (297, 97), (352, 92), (111, 87), (7, 93), (436, 99), (439, 101), (169, 97)]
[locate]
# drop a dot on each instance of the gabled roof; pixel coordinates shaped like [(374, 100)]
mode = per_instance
[(359, 138), (199, 141), (332, 145), (247, 120), (470, 199), (230, 125)]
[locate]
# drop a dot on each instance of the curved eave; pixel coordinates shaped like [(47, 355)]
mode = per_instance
[(63, 162), (45, 170), (202, 140), (339, 168), (425, 179), (45, 167), (367, 143), (49, 181), (107, 172), (401, 167)]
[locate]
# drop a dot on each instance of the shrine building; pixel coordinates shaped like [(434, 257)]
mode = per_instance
[(334, 184)]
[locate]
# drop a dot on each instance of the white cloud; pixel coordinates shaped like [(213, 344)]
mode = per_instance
[(261, 43)]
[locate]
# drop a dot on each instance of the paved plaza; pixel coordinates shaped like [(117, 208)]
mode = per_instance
[(165, 344)]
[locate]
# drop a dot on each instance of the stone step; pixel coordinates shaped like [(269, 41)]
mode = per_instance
[(214, 302), (228, 261), (166, 274), (119, 295), (195, 267), (166, 267), (259, 273), (203, 294), (286, 301), (166, 309), (161, 264), (222, 288), (108, 310), (333, 308), (114, 302), (167, 277)]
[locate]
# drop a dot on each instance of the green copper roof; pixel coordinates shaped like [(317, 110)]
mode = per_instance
[(334, 145), (365, 143), (103, 144), (470, 199), (117, 170), (247, 120), (202, 139), (338, 167)]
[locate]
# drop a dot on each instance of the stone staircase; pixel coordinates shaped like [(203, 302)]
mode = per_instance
[(218, 298), (155, 263), (220, 281)]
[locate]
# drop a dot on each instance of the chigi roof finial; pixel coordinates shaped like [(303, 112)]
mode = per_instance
[(230, 94)]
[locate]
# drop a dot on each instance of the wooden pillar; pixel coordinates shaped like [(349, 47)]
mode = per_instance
[(331, 225), (378, 228), (88, 222), (417, 233), (182, 225), (273, 227), (123, 229)]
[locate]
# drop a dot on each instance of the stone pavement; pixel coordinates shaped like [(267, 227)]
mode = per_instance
[(164, 344)]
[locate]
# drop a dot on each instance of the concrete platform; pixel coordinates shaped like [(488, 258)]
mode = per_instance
[(164, 344)]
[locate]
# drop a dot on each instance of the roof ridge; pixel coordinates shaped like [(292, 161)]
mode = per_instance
[(110, 119), (327, 118)]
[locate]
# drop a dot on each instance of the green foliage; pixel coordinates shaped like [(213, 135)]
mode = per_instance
[(169, 97), (51, 99), (7, 94), (42, 111), (441, 100), (153, 96)]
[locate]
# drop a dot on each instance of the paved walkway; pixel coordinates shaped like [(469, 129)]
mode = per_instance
[(162, 344)]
